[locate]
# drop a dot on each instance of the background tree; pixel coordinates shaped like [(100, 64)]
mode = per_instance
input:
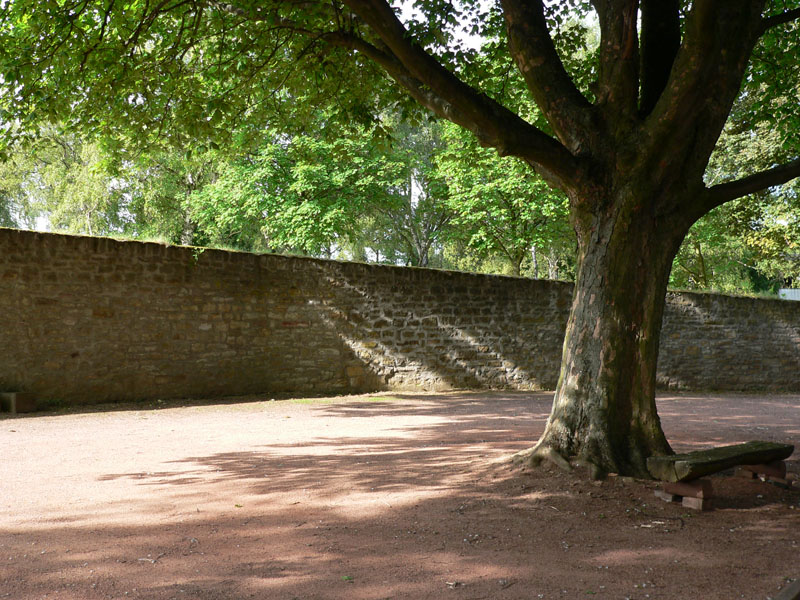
[(61, 177), (158, 188), (746, 245), (15, 210), (627, 138), (299, 193), (418, 215), (75, 185), (502, 205)]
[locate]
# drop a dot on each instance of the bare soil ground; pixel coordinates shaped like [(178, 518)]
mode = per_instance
[(402, 496)]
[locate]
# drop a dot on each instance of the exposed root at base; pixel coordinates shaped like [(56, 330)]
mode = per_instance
[(535, 456), (596, 472)]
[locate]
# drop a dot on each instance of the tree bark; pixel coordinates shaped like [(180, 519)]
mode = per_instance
[(516, 265), (552, 266), (604, 411)]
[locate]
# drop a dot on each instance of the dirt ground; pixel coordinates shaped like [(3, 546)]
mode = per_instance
[(376, 497)]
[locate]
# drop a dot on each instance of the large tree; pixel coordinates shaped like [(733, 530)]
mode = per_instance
[(629, 151)]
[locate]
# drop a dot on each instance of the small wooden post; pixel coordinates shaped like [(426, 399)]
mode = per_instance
[(18, 402)]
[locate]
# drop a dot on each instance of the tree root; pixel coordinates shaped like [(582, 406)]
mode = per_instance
[(534, 457)]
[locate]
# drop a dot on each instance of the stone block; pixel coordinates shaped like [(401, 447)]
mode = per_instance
[(696, 503), (699, 488), (666, 497), (354, 371), (18, 402)]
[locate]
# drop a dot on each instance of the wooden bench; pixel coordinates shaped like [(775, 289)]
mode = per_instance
[(790, 592), (682, 473)]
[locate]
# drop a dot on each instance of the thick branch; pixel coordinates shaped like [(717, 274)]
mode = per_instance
[(780, 19), (435, 87), (724, 192), (618, 82), (562, 104), (661, 39), (705, 80)]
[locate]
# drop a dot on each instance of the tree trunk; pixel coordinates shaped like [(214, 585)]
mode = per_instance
[(552, 265), (422, 253), (604, 411), (187, 231), (535, 259), (516, 265), (702, 264)]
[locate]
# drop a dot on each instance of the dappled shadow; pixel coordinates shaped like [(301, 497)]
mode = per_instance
[(544, 533), (456, 331), (454, 432), (695, 421), (409, 498)]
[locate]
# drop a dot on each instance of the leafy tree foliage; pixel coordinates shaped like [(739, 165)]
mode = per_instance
[(743, 247), (74, 185), (418, 217), (502, 206), (65, 178), (158, 188), (15, 211), (299, 193), (746, 245)]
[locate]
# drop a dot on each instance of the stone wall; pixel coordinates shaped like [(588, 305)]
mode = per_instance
[(92, 319), (710, 341)]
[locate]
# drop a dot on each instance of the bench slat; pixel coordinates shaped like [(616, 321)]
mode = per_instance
[(685, 467)]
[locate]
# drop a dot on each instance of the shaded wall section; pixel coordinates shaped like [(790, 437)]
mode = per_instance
[(93, 319), (711, 341)]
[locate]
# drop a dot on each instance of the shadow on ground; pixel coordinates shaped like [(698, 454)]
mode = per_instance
[(409, 498)]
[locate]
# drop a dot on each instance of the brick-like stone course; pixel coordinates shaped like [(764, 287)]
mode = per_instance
[(92, 319)]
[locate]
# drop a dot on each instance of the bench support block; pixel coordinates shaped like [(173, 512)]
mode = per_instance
[(695, 494), (774, 472), (776, 468)]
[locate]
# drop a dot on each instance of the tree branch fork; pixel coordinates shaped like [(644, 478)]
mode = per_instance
[(567, 158)]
